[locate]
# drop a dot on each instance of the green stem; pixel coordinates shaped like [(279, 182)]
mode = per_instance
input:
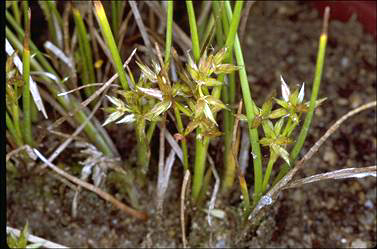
[(287, 127), (248, 102), (202, 146), (150, 131), (115, 17), (88, 68), (55, 12), (229, 165), (12, 129), (316, 83), (228, 98), (203, 25), (168, 43), (50, 23), (232, 88), (206, 182), (16, 13), (183, 142), (33, 112), (193, 31), (267, 175), (205, 37), (142, 150), (106, 32), (169, 32), (26, 101), (16, 119)]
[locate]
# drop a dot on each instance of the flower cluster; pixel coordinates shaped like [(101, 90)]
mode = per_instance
[(189, 94), (291, 108)]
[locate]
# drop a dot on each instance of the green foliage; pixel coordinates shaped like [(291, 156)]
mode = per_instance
[(195, 95), (21, 241), (139, 104)]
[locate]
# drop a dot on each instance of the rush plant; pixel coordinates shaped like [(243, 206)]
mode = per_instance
[(188, 91)]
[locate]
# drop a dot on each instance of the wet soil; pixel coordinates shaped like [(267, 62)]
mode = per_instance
[(281, 39)]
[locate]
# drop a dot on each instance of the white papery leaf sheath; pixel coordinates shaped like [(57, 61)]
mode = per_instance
[(285, 89)]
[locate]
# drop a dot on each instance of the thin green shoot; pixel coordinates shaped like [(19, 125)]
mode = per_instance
[(106, 32), (249, 108), (316, 83), (193, 31), (12, 129), (26, 101), (16, 14), (68, 104), (86, 54), (115, 18), (169, 33)]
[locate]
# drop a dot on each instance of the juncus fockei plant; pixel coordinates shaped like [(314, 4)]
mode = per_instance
[(279, 135), (189, 94)]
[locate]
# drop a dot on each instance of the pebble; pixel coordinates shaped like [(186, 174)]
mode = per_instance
[(330, 203), (368, 204), (345, 62), (342, 101), (355, 100), (330, 157)]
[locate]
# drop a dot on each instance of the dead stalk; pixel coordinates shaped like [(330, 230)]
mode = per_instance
[(106, 196), (183, 194), (140, 24), (271, 196), (64, 145), (244, 153), (204, 13), (211, 205), (334, 175), (245, 16), (94, 44), (122, 30), (161, 159)]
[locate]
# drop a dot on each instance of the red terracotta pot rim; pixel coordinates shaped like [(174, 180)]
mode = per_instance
[(342, 11)]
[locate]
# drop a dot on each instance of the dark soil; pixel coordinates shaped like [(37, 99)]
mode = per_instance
[(281, 39)]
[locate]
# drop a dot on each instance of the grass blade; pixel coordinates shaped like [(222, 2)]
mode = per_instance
[(26, 101), (106, 32), (86, 54), (193, 31)]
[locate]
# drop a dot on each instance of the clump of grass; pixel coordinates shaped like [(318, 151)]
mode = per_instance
[(22, 240), (187, 92)]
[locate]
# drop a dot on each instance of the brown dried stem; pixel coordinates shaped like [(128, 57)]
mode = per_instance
[(106, 196), (183, 194), (335, 175)]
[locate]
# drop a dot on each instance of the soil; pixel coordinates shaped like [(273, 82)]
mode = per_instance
[(281, 39)]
